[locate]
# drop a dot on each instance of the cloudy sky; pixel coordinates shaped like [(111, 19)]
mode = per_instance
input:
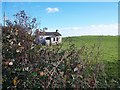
[(70, 18)]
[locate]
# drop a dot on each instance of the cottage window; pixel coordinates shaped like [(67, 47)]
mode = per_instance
[(57, 38), (53, 39), (48, 38)]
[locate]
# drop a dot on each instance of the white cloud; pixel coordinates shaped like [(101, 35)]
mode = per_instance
[(109, 29), (52, 10)]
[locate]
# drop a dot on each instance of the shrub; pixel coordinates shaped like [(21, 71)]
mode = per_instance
[(28, 65)]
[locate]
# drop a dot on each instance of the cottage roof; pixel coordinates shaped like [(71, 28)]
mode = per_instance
[(50, 33)]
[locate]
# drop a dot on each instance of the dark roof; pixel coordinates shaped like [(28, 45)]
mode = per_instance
[(50, 33)]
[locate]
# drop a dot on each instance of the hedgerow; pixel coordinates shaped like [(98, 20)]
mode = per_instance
[(30, 65)]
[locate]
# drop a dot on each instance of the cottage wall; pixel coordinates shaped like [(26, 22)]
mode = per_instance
[(54, 39)]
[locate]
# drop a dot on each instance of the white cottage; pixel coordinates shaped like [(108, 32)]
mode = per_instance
[(50, 38)]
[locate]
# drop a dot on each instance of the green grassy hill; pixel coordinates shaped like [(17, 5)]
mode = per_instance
[(109, 51), (108, 45)]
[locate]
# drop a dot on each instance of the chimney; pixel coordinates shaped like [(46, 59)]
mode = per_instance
[(56, 30)]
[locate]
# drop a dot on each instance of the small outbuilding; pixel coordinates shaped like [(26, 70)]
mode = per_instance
[(50, 38)]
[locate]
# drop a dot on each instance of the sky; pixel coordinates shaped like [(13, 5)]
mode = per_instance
[(70, 18), (60, 0)]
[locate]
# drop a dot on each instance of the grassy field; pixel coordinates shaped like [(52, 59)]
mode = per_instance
[(109, 51), (108, 45)]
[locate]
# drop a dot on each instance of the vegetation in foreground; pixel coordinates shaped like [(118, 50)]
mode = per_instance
[(109, 51), (29, 65)]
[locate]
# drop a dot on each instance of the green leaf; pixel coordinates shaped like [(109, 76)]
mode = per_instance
[(34, 74)]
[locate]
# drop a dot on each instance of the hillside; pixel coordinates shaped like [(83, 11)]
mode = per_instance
[(108, 45), (109, 51)]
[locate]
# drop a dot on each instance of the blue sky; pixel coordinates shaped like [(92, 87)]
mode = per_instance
[(60, 0), (71, 18)]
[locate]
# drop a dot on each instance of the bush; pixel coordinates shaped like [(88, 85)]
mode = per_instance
[(28, 65)]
